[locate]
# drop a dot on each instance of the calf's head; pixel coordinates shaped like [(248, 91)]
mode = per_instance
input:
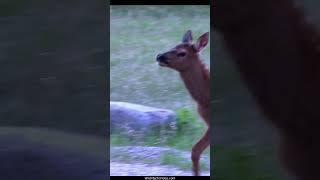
[(181, 57)]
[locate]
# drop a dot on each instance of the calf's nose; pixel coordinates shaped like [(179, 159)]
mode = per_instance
[(160, 57)]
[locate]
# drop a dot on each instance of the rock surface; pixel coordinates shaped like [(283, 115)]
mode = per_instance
[(128, 117)]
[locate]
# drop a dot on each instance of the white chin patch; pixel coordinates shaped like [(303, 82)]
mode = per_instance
[(162, 64)]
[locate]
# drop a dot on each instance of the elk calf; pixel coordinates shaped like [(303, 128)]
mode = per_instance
[(184, 58)]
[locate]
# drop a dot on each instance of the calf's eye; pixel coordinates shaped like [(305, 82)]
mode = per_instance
[(182, 54)]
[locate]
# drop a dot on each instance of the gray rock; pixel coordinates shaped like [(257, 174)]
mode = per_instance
[(131, 118)]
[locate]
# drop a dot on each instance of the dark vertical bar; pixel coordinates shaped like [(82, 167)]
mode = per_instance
[(212, 72), (107, 15)]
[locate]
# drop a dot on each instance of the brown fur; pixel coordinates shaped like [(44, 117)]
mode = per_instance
[(278, 55), (196, 78)]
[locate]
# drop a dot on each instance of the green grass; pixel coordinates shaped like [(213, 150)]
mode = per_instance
[(188, 130), (169, 159), (116, 139)]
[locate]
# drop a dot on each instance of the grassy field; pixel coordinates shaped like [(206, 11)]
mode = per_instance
[(138, 34)]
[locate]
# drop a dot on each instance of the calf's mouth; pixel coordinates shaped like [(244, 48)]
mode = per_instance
[(162, 60)]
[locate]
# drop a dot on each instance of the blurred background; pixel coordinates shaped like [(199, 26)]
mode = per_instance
[(52, 66), (53, 90), (137, 35), (244, 142)]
